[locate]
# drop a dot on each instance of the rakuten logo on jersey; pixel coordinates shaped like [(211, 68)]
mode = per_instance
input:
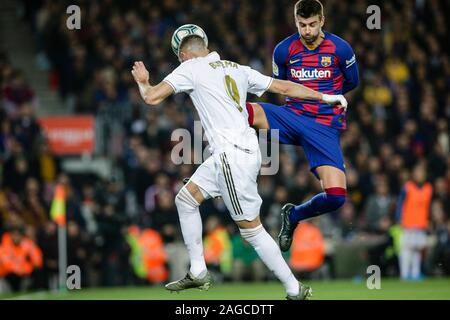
[(310, 74)]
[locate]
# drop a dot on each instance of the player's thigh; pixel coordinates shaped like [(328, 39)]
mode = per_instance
[(282, 123), (419, 239), (407, 239), (204, 180), (322, 148), (237, 182)]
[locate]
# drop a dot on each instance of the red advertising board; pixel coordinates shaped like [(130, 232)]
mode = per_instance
[(69, 135)]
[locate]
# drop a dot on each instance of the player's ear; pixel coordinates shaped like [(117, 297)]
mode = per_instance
[(322, 21), (297, 23), (182, 56)]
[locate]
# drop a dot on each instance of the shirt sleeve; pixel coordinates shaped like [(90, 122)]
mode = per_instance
[(257, 82), (181, 79), (348, 66), (279, 61)]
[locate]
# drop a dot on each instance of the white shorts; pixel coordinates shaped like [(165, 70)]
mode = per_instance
[(232, 175), (413, 239)]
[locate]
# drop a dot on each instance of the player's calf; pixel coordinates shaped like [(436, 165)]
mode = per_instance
[(187, 202), (255, 234), (330, 200)]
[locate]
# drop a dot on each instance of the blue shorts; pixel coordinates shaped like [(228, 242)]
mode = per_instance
[(321, 143)]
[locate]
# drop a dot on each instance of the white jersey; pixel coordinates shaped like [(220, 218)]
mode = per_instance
[(218, 89)]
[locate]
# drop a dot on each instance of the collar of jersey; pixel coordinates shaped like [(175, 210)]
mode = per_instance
[(325, 33), (212, 56)]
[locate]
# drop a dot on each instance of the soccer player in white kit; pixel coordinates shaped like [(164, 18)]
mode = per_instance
[(218, 89)]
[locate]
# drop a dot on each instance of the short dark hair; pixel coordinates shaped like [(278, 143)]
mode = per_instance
[(192, 42), (308, 8)]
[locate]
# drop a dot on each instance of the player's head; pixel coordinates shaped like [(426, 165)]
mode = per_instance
[(419, 173), (182, 38), (309, 19), (192, 46)]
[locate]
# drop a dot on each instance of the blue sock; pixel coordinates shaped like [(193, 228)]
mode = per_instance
[(328, 201)]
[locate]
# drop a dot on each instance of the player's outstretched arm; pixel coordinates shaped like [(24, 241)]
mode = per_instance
[(298, 91), (152, 95)]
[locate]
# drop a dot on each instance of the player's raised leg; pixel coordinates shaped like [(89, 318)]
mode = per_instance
[(331, 199), (188, 201), (334, 186), (332, 178)]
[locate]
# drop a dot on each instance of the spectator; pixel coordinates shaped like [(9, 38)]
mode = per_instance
[(46, 167), (308, 249), (35, 212), (438, 261), (443, 249), (109, 229), (16, 92), (26, 128), (147, 254), (48, 242), (217, 248), (165, 217), (19, 257), (347, 222), (378, 206), (413, 211)]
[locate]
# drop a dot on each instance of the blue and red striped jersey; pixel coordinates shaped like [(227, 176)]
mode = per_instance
[(330, 68)]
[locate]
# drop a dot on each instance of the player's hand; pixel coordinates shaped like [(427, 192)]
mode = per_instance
[(338, 100), (140, 73)]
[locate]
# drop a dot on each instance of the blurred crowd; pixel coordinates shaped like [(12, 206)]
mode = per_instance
[(398, 120)]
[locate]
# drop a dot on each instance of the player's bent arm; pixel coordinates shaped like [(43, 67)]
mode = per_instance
[(298, 91), (294, 90), (154, 95)]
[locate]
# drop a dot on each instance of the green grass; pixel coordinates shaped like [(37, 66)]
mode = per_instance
[(322, 290)]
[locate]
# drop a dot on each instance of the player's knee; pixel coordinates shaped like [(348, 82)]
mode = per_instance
[(179, 200), (336, 198), (184, 198), (250, 233)]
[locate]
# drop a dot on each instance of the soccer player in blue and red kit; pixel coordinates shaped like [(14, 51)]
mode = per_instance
[(322, 61)]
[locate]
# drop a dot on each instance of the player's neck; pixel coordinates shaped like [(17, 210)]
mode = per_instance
[(200, 54), (194, 54), (316, 43)]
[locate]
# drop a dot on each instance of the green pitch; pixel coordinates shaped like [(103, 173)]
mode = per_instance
[(322, 290)]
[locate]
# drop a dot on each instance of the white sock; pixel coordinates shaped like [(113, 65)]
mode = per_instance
[(270, 254), (191, 227)]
